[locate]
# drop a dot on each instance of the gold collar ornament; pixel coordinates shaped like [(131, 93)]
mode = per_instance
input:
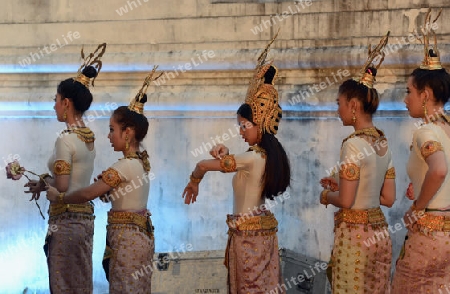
[(91, 60), (366, 76), (136, 105), (142, 156), (373, 133), (431, 60), (262, 96), (83, 133)]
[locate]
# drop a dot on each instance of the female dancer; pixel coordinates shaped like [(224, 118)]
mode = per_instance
[(423, 266), (366, 181), (262, 172), (129, 240), (69, 247)]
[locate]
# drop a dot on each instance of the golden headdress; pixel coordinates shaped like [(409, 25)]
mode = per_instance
[(431, 60), (136, 105), (262, 96), (90, 60), (366, 76)]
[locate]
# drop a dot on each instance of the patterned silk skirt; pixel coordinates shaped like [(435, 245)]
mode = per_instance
[(129, 252), (68, 247), (252, 256), (424, 263), (362, 252)]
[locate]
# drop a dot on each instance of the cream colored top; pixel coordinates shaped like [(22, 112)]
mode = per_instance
[(247, 186), (417, 166), (71, 156), (130, 183), (363, 164)]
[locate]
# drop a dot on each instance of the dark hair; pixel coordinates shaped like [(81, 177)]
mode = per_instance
[(437, 80), (77, 92), (128, 118), (368, 97), (277, 172), (269, 75)]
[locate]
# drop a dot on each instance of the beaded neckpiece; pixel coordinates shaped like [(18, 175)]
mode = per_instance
[(83, 133), (372, 132), (142, 156)]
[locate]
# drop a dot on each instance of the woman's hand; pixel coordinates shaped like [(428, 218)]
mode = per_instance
[(190, 193), (410, 192), (218, 151), (52, 193), (330, 184), (35, 187)]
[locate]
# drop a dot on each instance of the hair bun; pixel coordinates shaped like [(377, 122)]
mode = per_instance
[(372, 71), (431, 53), (89, 71), (270, 75), (142, 100)]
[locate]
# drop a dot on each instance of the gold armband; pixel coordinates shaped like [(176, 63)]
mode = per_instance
[(349, 171), (228, 164), (429, 148), (61, 167), (111, 178)]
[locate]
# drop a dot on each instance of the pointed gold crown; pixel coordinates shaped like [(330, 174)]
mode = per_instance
[(93, 60), (136, 105), (366, 76), (431, 60), (262, 97)]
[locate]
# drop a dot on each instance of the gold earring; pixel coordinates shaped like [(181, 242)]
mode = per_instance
[(425, 112), (259, 135), (127, 145), (354, 117), (65, 114)]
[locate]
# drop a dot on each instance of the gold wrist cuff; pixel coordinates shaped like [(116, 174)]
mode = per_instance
[(194, 179), (323, 197), (61, 198)]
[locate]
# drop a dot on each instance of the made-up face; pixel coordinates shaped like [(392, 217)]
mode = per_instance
[(248, 131), (116, 135), (60, 106), (414, 99), (345, 110)]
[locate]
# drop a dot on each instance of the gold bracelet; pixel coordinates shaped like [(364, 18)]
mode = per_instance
[(194, 179), (323, 197), (61, 198)]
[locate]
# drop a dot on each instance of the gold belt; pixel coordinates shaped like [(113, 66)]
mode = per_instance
[(252, 223), (373, 216), (435, 222), (126, 217), (57, 209)]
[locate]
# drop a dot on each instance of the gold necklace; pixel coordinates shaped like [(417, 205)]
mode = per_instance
[(258, 149), (371, 132), (132, 155), (83, 133), (142, 156)]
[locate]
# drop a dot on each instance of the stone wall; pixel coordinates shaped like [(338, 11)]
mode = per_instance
[(208, 49)]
